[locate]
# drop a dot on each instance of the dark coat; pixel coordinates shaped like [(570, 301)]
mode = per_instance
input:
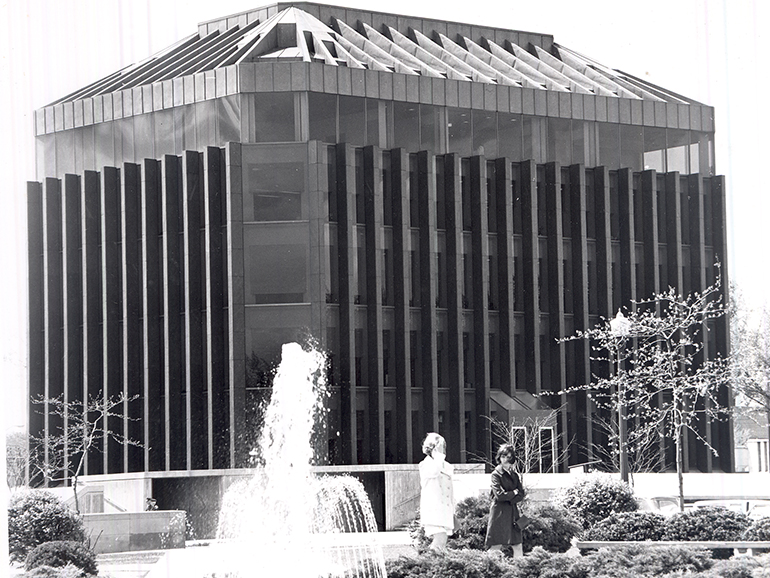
[(506, 492)]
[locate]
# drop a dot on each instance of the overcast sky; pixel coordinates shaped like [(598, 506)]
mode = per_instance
[(713, 51)]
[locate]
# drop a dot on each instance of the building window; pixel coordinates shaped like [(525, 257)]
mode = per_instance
[(286, 281), (274, 117)]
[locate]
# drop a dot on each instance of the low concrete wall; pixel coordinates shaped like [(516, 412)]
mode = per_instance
[(132, 531)]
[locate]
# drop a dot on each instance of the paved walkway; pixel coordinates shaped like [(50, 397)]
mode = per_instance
[(190, 561)]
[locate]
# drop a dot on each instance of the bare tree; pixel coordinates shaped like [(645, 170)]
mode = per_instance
[(643, 449), (663, 384), (16, 459), (534, 440), (59, 455), (750, 358)]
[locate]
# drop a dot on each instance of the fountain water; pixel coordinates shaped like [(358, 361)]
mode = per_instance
[(285, 518)]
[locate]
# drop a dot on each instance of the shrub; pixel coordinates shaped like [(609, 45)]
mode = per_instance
[(60, 553), (740, 567), (551, 528), (643, 561), (540, 563), (758, 530), (620, 526), (707, 523), (454, 564), (37, 516), (68, 571), (43, 572), (472, 516), (595, 497)]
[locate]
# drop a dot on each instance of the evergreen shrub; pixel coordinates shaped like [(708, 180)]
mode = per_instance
[(638, 526), (59, 553), (68, 571), (595, 497), (43, 572), (708, 523), (453, 564), (758, 530), (36, 517), (551, 528), (472, 516)]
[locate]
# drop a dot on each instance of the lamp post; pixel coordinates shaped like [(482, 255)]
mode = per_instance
[(620, 328)]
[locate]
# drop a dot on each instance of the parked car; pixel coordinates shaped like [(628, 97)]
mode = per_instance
[(753, 508), (664, 505)]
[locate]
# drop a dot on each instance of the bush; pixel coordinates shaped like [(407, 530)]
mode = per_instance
[(454, 564), (758, 530), (36, 517), (644, 561), (638, 526), (595, 497), (68, 571), (540, 563), (60, 553), (551, 528), (472, 516), (709, 523), (740, 567), (43, 572)]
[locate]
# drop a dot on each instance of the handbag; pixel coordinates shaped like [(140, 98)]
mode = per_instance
[(523, 522)]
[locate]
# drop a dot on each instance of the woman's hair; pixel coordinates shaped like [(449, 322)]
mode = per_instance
[(505, 450), (430, 442)]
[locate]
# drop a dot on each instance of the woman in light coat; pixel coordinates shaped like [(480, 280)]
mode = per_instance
[(437, 504), (506, 492)]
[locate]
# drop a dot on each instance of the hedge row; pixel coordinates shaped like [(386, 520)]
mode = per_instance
[(629, 562)]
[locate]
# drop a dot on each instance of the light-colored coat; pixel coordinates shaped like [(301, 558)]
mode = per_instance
[(437, 504)]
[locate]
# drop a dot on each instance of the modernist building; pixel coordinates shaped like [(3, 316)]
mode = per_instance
[(434, 203)]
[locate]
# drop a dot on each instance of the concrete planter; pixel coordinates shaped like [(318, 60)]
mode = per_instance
[(132, 531)]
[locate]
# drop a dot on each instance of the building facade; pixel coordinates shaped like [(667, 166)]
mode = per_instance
[(434, 204)]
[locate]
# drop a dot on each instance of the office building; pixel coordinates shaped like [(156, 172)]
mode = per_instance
[(434, 203)]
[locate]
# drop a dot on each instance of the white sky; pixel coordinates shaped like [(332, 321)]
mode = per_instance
[(713, 51)]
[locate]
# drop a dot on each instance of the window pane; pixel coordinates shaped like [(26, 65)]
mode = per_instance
[(144, 140), (509, 135), (631, 147), (278, 273), (406, 120), (206, 121), (677, 151), (484, 133), (373, 123), (352, 120), (104, 145), (274, 182), (654, 147), (323, 117), (459, 129), (274, 117), (609, 145), (430, 125), (534, 139), (229, 109), (559, 141)]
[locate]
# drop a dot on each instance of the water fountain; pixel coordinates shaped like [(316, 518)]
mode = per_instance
[(285, 518)]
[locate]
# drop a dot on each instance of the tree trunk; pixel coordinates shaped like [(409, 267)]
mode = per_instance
[(767, 457), (75, 491), (679, 468)]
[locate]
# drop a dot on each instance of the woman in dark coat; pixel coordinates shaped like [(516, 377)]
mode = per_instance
[(507, 491)]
